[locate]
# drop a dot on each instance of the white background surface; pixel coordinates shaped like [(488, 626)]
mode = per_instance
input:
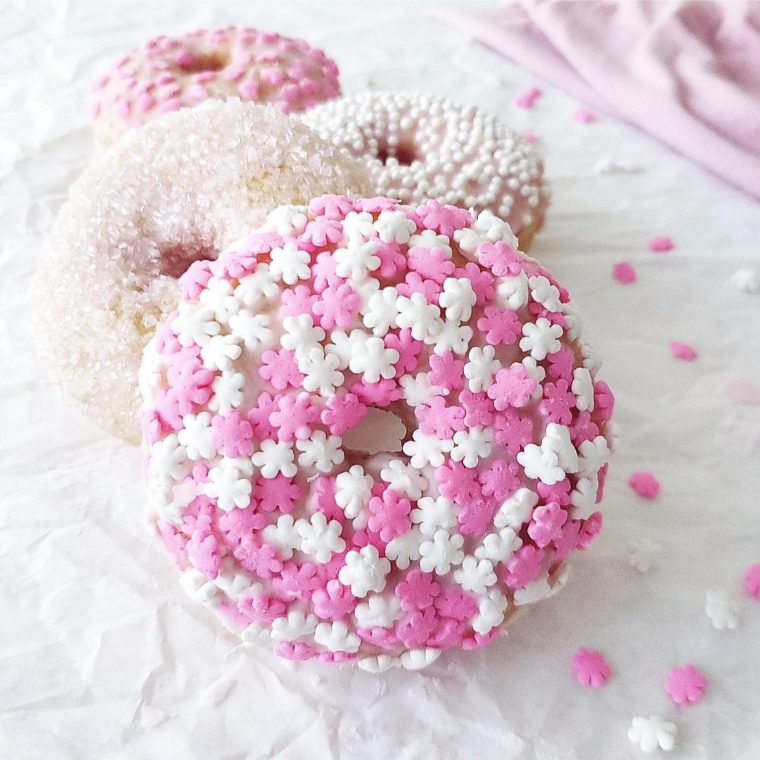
[(102, 656)]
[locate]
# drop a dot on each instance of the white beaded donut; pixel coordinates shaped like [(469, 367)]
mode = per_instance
[(178, 190), (419, 146), (167, 73), (373, 432)]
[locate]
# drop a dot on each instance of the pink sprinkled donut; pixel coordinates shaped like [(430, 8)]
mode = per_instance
[(180, 189), (421, 146), (373, 432), (167, 74)]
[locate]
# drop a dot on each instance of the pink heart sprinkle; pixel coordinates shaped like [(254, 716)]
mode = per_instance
[(624, 273), (661, 244), (682, 351)]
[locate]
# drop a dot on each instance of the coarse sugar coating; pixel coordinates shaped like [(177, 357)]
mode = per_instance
[(166, 74), (373, 431), (422, 146), (180, 189)]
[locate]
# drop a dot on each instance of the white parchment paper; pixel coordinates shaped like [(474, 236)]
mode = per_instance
[(101, 654)]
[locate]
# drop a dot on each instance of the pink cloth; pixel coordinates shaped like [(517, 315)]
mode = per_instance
[(688, 73)]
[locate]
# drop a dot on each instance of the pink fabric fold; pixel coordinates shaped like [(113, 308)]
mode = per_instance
[(688, 73)]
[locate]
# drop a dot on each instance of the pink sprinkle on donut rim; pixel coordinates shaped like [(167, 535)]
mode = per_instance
[(644, 484), (591, 668), (660, 244), (374, 458), (624, 273), (685, 685), (682, 351)]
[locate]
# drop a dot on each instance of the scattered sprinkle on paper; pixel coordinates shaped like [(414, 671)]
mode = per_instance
[(752, 581), (644, 484), (685, 685), (661, 244), (642, 553), (722, 609), (682, 351), (530, 136), (624, 273), (747, 280), (528, 98), (584, 116), (590, 668)]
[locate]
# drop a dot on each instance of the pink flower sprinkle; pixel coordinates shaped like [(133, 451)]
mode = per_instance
[(590, 667), (752, 581), (524, 566), (390, 515), (512, 386), (457, 482), (546, 523), (342, 412), (443, 219), (624, 273), (644, 484), (446, 372), (685, 685), (584, 116), (500, 326), (417, 591), (530, 136), (528, 98), (277, 494), (682, 351), (232, 434), (660, 244), (456, 604), (333, 601)]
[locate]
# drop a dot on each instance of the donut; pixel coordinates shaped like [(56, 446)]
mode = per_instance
[(372, 432), (180, 189), (417, 146), (168, 73)]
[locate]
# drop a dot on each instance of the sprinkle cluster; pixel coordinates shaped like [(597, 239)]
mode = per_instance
[(266, 392), (420, 146), (167, 73)]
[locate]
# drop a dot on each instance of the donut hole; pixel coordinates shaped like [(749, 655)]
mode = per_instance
[(204, 62), (404, 154), (381, 431), (176, 260)]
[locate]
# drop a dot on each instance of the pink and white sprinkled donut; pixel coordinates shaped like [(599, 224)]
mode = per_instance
[(373, 432), (422, 146), (167, 74)]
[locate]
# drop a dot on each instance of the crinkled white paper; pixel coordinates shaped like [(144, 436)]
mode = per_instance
[(101, 654)]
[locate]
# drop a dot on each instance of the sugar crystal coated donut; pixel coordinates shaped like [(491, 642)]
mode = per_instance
[(180, 189), (166, 74), (373, 432), (420, 146)]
